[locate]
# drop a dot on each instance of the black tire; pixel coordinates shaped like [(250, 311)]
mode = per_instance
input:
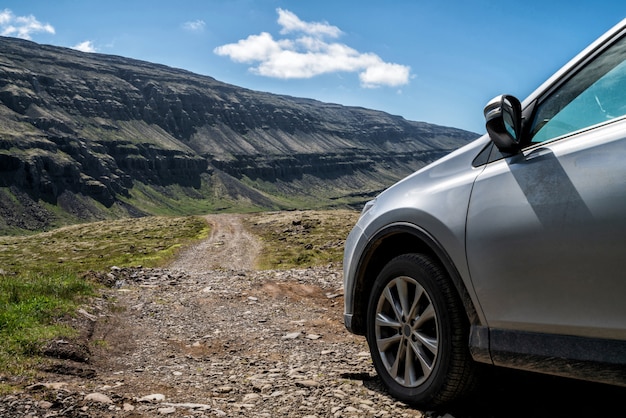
[(418, 333)]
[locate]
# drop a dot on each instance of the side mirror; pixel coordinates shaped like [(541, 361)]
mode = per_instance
[(503, 120)]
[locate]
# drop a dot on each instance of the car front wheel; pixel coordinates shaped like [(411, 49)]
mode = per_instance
[(418, 333)]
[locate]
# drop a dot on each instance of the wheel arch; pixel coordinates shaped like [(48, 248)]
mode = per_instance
[(390, 242)]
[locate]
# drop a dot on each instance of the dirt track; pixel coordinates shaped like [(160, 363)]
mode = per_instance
[(229, 246)]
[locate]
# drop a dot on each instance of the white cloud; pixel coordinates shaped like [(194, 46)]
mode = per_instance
[(292, 23), (86, 46), (309, 55), (5, 17), (194, 26), (254, 48), (21, 26), (385, 74)]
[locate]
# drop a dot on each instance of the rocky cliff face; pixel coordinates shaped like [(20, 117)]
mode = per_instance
[(95, 126)]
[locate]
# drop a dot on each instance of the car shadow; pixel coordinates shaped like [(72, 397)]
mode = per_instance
[(507, 393), (515, 394)]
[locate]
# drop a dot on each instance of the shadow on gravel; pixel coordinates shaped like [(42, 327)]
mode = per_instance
[(516, 394)]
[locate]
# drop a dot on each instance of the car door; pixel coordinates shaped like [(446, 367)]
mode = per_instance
[(546, 228)]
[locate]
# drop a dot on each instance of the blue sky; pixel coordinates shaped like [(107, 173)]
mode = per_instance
[(437, 61)]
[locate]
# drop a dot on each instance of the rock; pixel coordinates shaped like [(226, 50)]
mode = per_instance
[(51, 385), (155, 397), (87, 315), (224, 389), (45, 404), (307, 383), (251, 397), (98, 397)]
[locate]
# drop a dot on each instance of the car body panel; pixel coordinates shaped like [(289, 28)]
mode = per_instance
[(433, 199), (546, 237)]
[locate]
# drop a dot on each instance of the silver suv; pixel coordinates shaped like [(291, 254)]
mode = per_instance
[(510, 251)]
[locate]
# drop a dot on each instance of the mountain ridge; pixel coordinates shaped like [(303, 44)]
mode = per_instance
[(89, 136)]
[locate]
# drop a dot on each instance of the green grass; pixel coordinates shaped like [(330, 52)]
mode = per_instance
[(300, 239), (41, 276), (29, 306), (149, 241)]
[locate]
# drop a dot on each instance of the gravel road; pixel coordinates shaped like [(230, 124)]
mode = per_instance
[(211, 336), (230, 246)]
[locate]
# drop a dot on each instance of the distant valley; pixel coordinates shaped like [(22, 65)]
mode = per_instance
[(91, 136)]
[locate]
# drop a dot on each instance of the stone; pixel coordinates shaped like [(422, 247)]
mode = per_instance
[(308, 383), (45, 404), (155, 397), (224, 389), (98, 397), (251, 397)]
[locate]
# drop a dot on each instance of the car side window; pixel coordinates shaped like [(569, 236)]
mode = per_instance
[(595, 94)]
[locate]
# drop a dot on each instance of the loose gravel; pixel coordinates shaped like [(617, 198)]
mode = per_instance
[(219, 343)]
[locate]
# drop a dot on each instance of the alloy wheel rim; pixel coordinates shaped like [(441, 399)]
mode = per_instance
[(406, 329)]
